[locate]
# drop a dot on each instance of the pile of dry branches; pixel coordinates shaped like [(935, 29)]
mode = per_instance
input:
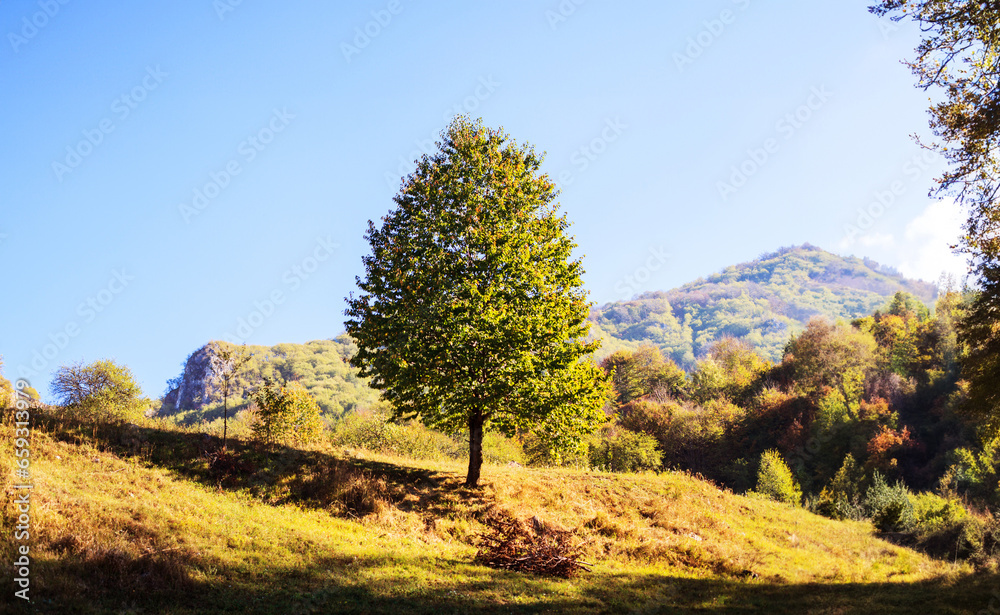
[(224, 464), (510, 545)]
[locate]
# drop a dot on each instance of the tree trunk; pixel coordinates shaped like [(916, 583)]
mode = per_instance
[(225, 419), (475, 448)]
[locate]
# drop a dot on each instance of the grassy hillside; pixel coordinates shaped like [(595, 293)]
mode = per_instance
[(762, 302), (145, 526)]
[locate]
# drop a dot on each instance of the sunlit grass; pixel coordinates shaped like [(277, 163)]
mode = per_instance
[(152, 533)]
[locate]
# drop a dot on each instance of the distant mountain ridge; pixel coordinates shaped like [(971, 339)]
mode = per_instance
[(762, 302)]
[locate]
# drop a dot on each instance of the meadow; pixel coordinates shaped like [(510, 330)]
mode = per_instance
[(140, 520)]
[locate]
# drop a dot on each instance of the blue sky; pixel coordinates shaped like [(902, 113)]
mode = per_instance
[(176, 172)]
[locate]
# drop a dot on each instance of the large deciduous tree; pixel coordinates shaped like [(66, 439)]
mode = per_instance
[(960, 55), (472, 313), (980, 331), (644, 371), (831, 355)]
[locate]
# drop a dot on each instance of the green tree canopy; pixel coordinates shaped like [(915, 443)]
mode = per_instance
[(472, 313), (642, 372), (831, 355), (102, 391), (903, 304), (732, 369), (960, 54), (285, 414)]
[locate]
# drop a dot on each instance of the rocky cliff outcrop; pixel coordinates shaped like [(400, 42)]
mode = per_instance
[(196, 385), (321, 366)]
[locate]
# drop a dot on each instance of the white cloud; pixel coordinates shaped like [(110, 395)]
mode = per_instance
[(925, 252), (877, 240)]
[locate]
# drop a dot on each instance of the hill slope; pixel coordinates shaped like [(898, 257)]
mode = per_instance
[(762, 302), (150, 529)]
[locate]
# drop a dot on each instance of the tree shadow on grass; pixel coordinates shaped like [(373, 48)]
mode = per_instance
[(278, 474), (389, 583), (438, 586)]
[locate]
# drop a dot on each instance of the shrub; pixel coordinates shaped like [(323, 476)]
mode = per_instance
[(540, 452), (738, 474), (775, 481), (623, 450), (102, 392), (974, 538), (208, 419), (375, 432), (497, 448), (979, 541), (888, 507), (841, 498), (285, 414), (932, 512)]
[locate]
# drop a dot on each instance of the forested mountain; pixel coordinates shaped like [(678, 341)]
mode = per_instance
[(320, 366), (762, 302)]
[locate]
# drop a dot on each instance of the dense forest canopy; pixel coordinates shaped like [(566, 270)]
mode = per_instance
[(864, 413)]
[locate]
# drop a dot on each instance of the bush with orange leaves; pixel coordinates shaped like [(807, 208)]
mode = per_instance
[(884, 448)]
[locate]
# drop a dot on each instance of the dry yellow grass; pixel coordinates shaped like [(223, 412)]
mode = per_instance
[(683, 522), (153, 534)]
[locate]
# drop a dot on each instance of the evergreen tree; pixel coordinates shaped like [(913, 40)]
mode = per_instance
[(775, 480), (979, 332)]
